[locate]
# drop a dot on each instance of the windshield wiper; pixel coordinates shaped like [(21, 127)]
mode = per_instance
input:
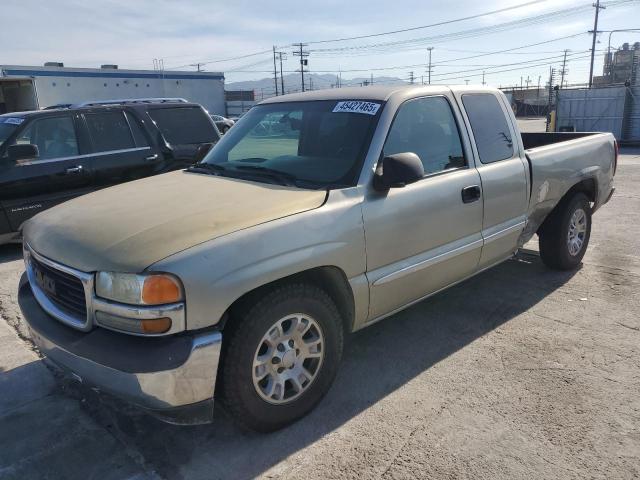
[(210, 168), (283, 177)]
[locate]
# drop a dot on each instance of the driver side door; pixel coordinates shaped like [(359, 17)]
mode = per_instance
[(60, 171), (426, 235)]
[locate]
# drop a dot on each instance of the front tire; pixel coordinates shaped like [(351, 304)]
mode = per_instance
[(565, 235), (282, 354)]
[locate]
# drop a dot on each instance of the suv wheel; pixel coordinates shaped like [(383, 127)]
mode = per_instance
[(281, 356)]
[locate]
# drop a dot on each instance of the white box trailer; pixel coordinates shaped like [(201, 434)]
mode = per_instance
[(30, 88), (17, 95)]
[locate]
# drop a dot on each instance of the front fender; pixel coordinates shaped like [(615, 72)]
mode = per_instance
[(217, 273)]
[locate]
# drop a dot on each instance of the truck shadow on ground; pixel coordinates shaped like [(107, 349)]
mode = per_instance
[(377, 361)]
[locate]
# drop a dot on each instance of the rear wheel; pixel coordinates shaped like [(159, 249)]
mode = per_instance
[(281, 356), (565, 236)]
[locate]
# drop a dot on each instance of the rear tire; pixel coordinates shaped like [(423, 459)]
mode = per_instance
[(282, 354), (564, 237)]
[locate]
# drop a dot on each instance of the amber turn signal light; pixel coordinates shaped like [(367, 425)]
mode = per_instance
[(161, 289), (157, 325)]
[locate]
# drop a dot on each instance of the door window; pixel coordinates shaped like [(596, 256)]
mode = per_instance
[(427, 127), (489, 126), (184, 125), (55, 137), (109, 131)]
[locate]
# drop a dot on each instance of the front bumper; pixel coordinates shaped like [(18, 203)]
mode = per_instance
[(171, 377)]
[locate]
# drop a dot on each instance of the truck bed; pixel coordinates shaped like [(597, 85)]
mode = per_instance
[(540, 139), (557, 162)]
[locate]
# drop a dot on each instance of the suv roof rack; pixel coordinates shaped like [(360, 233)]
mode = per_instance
[(124, 101)]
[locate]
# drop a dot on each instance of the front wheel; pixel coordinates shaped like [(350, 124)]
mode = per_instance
[(565, 236), (281, 357)]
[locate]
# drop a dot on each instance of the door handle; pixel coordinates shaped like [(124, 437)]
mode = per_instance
[(471, 194), (74, 170), (151, 158)]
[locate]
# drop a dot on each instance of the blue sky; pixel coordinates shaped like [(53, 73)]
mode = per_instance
[(133, 33)]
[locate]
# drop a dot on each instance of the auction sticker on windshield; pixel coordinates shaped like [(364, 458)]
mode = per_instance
[(357, 106)]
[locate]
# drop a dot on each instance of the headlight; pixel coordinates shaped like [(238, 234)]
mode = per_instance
[(152, 289)]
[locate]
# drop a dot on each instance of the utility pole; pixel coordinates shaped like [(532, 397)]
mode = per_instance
[(280, 54), (563, 72), (429, 69), (303, 59), (275, 70), (593, 43), (198, 66), (371, 79), (411, 78), (483, 78), (538, 94)]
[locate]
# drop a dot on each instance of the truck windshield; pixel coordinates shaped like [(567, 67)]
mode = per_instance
[(315, 144)]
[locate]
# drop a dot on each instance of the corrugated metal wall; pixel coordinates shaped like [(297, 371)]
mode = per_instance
[(592, 110)]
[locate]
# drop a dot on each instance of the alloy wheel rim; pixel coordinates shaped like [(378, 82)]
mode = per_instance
[(288, 358), (577, 232)]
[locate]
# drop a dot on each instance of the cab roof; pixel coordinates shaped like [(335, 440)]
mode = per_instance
[(380, 93)]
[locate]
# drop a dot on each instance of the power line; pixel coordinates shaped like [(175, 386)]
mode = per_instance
[(505, 70), (469, 33), (205, 62), (446, 22)]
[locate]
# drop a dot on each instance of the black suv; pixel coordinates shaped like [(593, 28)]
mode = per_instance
[(52, 155)]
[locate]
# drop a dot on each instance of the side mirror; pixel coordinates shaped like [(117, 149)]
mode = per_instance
[(23, 152), (202, 151), (398, 170)]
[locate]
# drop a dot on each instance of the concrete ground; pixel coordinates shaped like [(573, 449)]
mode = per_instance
[(520, 372)]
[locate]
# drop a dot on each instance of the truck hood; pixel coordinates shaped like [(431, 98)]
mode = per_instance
[(128, 227)]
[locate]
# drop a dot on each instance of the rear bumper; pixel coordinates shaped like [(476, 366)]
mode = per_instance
[(171, 377)]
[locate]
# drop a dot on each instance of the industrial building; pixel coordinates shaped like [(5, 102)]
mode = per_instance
[(30, 88), (619, 66)]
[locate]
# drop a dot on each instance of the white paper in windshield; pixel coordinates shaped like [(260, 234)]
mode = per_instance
[(14, 120), (357, 106)]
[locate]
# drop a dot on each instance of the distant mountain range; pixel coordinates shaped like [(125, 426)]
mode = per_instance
[(313, 81)]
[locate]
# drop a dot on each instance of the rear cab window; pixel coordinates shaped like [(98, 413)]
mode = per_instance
[(489, 126), (184, 125)]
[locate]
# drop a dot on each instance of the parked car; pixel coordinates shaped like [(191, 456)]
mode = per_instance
[(244, 273), (50, 156), (222, 123)]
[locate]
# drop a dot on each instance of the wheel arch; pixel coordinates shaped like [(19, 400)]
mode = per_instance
[(587, 186), (329, 278)]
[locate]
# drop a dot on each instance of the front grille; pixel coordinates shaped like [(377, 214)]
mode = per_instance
[(63, 289)]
